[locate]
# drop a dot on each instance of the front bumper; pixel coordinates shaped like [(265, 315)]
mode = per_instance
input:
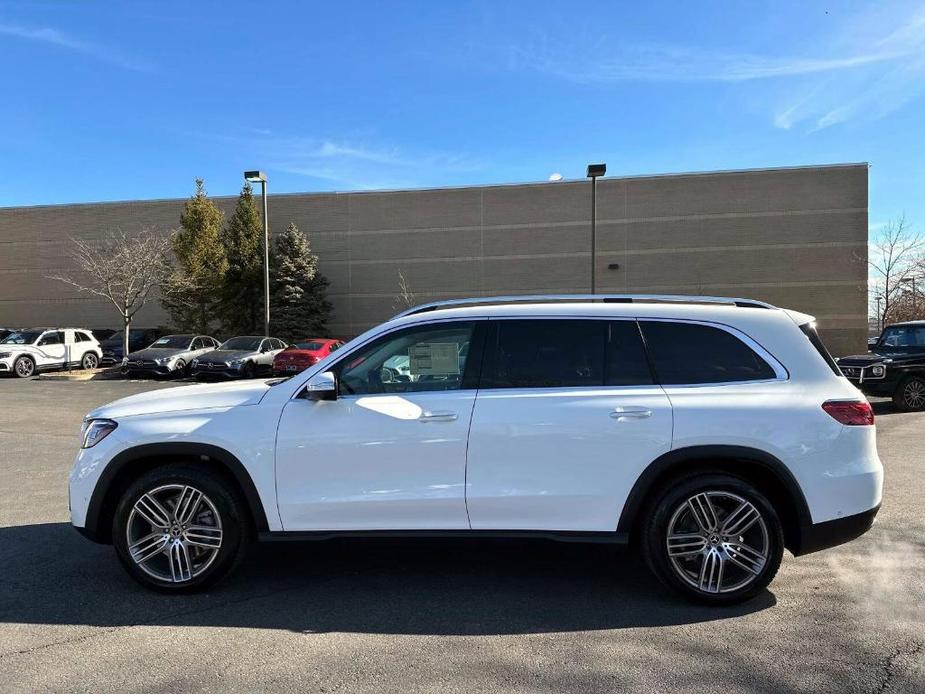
[(835, 532), (881, 387), (217, 370), (6, 365), (289, 369), (148, 369)]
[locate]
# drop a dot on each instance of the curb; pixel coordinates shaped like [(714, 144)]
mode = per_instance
[(94, 375)]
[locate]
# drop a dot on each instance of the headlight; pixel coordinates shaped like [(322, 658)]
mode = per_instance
[(195, 362), (236, 363), (877, 370), (95, 430)]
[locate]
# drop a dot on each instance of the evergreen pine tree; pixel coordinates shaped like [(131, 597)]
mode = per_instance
[(242, 289), (190, 291), (299, 307)]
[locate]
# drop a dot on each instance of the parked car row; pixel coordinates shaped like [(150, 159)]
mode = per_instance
[(244, 356), (25, 352)]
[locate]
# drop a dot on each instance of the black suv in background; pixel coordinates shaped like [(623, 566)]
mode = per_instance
[(138, 338), (894, 368)]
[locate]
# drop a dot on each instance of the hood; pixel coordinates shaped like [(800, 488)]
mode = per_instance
[(156, 353), (31, 349), (227, 354), (299, 353), (881, 356), (195, 397)]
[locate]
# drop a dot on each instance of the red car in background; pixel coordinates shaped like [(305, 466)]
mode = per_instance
[(299, 356)]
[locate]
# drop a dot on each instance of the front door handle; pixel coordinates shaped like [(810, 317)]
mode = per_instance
[(438, 417), (624, 413)]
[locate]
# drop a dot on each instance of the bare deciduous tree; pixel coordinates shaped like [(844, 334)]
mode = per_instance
[(121, 268), (895, 258), (405, 297)]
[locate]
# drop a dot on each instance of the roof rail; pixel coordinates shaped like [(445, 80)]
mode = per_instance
[(584, 298)]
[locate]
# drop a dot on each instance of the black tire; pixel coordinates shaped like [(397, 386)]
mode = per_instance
[(909, 395), (89, 361), (686, 569), (181, 370), (24, 367), (221, 499), (250, 370)]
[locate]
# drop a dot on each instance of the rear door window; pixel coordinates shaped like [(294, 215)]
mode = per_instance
[(691, 353), (544, 354)]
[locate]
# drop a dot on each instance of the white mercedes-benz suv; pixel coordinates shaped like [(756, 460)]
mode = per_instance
[(712, 433)]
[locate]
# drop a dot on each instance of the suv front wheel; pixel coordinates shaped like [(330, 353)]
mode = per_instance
[(714, 538), (179, 528), (910, 394)]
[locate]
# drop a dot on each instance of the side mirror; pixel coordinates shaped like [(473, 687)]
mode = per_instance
[(322, 386)]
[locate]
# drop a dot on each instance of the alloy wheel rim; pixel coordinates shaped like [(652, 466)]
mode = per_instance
[(90, 361), (174, 533), (24, 367), (914, 394), (717, 542)]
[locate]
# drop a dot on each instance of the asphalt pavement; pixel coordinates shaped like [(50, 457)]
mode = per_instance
[(438, 616)]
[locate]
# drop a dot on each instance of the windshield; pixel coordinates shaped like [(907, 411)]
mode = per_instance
[(26, 337), (903, 337), (172, 342), (242, 343), (133, 336), (310, 346)]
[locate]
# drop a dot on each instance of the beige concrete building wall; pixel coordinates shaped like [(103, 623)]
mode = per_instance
[(796, 237)]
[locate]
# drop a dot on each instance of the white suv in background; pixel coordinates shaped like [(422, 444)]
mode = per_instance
[(25, 352), (712, 433)]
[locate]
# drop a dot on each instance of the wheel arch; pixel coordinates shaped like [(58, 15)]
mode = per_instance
[(132, 462), (758, 467)]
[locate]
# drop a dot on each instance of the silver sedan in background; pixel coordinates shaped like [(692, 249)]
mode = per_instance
[(168, 355), (244, 356)]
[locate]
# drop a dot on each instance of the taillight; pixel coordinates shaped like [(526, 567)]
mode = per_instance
[(850, 413)]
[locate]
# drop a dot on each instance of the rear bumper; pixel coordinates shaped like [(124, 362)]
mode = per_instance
[(835, 532)]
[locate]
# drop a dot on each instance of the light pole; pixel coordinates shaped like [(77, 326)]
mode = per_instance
[(261, 177), (595, 171), (907, 280)]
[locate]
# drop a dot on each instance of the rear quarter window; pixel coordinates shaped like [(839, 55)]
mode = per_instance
[(690, 353), (809, 329)]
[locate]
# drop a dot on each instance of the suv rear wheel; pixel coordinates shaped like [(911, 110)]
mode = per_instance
[(714, 538), (179, 528)]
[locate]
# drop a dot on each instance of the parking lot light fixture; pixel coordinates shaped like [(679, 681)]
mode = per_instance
[(261, 177), (908, 280), (595, 171)]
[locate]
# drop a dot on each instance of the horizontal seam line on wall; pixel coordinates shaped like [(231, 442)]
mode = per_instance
[(600, 253), (566, 223)]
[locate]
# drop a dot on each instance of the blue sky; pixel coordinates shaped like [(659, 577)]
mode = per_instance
[(109, 101)]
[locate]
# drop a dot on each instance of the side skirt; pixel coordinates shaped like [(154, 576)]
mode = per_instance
[(604, 537)]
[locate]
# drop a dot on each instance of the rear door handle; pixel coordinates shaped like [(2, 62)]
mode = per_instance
[(623, 413), (438, 417)]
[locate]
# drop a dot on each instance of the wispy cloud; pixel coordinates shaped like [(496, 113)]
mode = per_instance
[(868, 66), (55, 37), (349, 163), (654, 62)]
